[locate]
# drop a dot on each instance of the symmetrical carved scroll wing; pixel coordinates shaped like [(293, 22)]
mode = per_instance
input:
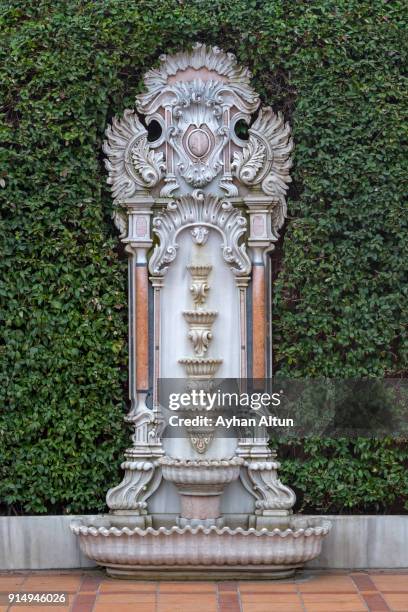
[(266, 160), (132, 166)]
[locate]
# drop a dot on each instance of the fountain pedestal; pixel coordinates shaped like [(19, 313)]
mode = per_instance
[(200, 484)]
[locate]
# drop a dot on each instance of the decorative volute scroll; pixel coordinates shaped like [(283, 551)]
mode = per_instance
[(201, 213)]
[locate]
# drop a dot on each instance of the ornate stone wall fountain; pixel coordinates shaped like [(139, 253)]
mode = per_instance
[(202, 503)]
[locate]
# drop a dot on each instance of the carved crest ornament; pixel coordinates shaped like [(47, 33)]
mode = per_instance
[(195, 100)]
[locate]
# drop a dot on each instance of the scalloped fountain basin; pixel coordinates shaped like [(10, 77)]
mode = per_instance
[(197, 552), (202, 472)]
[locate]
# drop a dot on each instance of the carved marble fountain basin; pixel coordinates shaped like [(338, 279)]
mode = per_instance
[(200, 483), (197, 552), (201, 472)]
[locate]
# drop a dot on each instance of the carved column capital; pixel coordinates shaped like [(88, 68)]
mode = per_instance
[(263, 231)]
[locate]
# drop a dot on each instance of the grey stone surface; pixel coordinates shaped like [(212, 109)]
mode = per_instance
[(46, 542), (365, 542), (39, 542)]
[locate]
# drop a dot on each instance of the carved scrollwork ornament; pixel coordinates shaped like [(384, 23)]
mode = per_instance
[(131, 164), (200, 210), (266, 160), (140, 480), (260, 478)]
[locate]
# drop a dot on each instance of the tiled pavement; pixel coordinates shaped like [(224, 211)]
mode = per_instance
[(309, 592)]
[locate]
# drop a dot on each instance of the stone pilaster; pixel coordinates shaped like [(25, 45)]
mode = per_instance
[(142, 474)]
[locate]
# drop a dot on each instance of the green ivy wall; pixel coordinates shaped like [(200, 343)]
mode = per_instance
[(336, 69)]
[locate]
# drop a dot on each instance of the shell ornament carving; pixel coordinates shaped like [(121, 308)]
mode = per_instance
[(200, 210)]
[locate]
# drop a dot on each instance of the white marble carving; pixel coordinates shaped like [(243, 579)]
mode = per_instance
[(199, 286), (215, 203), (137, 485), (245, 552), (200, 321), (200, 210), (132, 166), (212, 59), (266, 160)]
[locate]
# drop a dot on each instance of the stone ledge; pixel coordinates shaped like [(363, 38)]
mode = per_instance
[(355, 541)]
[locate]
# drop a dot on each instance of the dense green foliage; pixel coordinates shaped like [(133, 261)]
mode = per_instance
[(335, 67)]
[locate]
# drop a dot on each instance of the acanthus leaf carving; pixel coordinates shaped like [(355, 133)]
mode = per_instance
[(147, 163), (248, 163), (200, 209), (260, 478), (132, 166), (266, 159)]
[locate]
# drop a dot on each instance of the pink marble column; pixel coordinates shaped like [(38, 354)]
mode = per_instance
[(258, 321)]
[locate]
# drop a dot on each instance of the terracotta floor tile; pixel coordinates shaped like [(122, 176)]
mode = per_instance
[(122, 586), (267, 587), (187, 587), (184, 607), (273, 607), (272, 598), (91, 583), (390, 582), (123, 607), (398, 602), (228, 602), (193, 599), (229, 606), (10, 581), (135, 598), (83, 602), (328, 584), (363, 582), (227, 586), (333, 602), (375, 602), (52, 583), (187, 603)]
